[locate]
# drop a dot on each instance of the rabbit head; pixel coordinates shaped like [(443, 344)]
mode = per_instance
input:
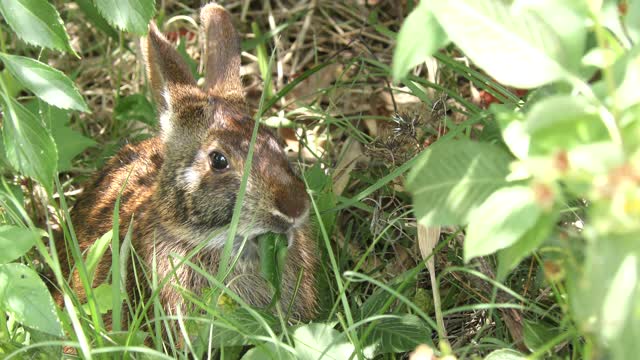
[(206, 135)]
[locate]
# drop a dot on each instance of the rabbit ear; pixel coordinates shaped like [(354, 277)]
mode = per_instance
[(165, 68), (221, 54)]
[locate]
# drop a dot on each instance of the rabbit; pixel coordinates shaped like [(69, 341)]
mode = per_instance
[(180, 188)]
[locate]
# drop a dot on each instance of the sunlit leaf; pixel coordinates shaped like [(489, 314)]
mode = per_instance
[(26, 297), (453, 178), (29, 146), (504, 354), (36, 22), (314, 339), (47, 83), (419, 37), (563, 122), (95, 19), (517, 49), (16, 241), (500, 221), (132, 16)]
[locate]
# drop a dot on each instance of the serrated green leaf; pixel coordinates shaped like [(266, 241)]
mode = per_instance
[(562, 122), (312, 340), (47, 83), (510, 257), (397, 334), (15, 242), (452, 178), (36, 22), (95, 19), (26, 297), (519, 50), (29, 146), (420, 36), (131, 16), (500, 221)]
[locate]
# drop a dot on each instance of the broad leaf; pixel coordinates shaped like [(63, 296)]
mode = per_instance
[(632, 21), (562, 122), (46, 82), (419, 37), (15, 242), (268, 351), (131, 16), (605, 292), (396, 334), (453, 178), (505, 354), (626, 73), (26, 297), (36, 22), (510, 257), (235, 327), (317, 339), (517, 49), (70, 143), (28, 144), (500, 221), (95, 19)]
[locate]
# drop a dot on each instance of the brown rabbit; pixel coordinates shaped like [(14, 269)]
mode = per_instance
[(181, 187)]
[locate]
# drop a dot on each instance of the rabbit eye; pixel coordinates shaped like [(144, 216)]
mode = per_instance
[(218, 161)]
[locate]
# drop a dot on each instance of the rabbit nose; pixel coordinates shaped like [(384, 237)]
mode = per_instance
[(292, 202)]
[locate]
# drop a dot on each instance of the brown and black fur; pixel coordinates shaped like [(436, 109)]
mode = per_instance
[(177, 201)]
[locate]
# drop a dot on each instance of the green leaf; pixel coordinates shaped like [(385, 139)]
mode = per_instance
[(46, 82), (604, 292), (505, 354), (95, 19), (419, 37), (397, 334), (235, 327), (626, 73), (268, 351), (517, 49), (312, 340), (96, 251), (135, 108), (562, 122), (28, 144), (510, 257), (273, 254), (70, 143), (36, 22), (632, 20), (537, 333), (131, 16), (26, 297), (500, 221), (453, 178), (103, 295), (15, 242)]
